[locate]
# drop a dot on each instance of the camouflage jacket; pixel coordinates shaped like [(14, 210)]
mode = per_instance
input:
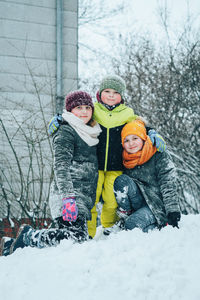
[(75, 172), (157, 182)]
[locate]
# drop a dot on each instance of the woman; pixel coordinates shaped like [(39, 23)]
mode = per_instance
[(73, 190)]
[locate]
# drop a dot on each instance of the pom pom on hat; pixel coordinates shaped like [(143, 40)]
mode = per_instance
[(113, 82), (77, 98), (136, 127)]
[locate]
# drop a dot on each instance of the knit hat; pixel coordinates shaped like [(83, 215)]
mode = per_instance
[(136, 127), (113, 82), (77, 98)]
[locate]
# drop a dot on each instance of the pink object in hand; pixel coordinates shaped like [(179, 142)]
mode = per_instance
[(69, 209)]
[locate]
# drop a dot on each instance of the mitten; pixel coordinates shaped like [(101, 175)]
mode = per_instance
[(54, 124), (69, 209), (174, 218), (157, 140)]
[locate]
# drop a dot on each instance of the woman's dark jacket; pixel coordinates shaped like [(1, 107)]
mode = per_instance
[(75, 172)]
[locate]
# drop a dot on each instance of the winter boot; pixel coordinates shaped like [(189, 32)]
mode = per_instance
[(6, 243), (19, 242)]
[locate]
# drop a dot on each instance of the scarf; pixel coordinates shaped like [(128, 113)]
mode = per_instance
[(130, 161), (87, 133)]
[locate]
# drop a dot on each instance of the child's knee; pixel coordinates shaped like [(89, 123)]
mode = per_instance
[(121, 181), (120, 188)]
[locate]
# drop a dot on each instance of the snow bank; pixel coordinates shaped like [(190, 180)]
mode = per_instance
[(128, 265)]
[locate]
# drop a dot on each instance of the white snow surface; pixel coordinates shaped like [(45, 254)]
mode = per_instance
[(126, 265)]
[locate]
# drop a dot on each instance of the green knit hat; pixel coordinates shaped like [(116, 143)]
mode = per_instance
[(113, 82)]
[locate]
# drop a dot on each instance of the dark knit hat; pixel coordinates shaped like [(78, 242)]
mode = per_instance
[(77, 98), (113, 82)]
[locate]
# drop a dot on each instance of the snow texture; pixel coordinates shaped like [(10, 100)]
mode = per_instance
[(126, 265)]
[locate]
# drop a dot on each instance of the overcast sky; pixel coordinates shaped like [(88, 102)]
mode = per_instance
[(145, 11), (145, 14), (140, 17)]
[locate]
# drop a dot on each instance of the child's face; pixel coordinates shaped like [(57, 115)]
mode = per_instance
[(110, 97), (83, 112), (133, 143)]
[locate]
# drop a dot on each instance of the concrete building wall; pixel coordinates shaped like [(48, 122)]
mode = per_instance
[(28, 43), (28, 79)]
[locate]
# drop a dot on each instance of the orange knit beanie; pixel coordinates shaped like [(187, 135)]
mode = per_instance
[(136, 127)]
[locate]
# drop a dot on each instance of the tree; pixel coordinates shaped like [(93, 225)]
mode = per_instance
[(164, 87), (26, 169)]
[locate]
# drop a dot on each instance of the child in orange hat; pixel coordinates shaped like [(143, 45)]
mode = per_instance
[(146, 193)]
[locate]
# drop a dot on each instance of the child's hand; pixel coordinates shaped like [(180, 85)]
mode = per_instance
[(157, 140), (69, 209), (54, 124), (174, 218)]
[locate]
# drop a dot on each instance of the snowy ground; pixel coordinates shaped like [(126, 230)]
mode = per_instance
[(161, 265)]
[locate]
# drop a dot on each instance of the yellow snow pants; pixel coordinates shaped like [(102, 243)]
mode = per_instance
[(105, 188)]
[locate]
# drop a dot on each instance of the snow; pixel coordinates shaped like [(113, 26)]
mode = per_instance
[(126, 265)]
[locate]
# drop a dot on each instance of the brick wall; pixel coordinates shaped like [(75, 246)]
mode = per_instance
[(8, 229)]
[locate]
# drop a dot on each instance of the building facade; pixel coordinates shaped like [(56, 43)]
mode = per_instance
[(39, 65)]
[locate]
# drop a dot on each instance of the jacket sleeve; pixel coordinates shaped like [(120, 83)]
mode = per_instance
[(63, 145), (167, 180)]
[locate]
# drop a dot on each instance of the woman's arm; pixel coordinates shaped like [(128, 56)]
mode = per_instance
[(63, 145)]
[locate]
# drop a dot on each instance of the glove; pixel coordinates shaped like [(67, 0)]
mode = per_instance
[(157, 140), (69, 209), (54, 124), (174, 218)]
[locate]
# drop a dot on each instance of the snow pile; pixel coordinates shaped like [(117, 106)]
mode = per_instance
[(127, 265)]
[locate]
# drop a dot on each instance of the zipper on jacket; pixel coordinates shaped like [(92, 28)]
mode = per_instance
[(107, 146)]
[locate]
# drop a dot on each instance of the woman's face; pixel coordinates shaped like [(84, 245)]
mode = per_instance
[(83, 112), (133, 143), (110, 97)]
